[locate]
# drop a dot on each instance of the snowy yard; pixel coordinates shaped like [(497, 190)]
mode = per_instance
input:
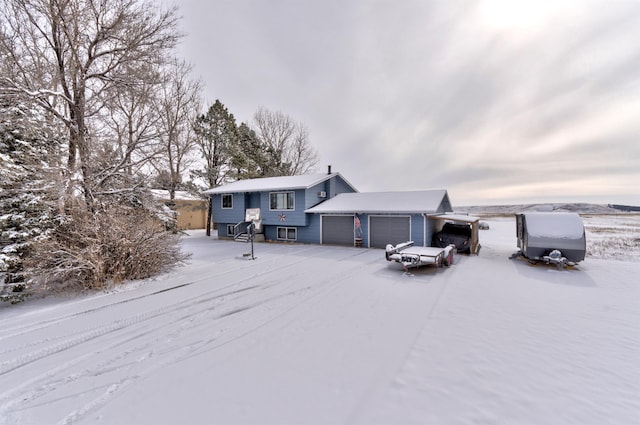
[(311, 334)]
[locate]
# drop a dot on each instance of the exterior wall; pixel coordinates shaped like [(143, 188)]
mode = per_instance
[(252, 200), (432, 226), (228, 215), (445, 205), (294, 217), (417, 229), (310, 233), (303, 199), (339, 186), (308, 226), (311, 195), (222, 229), (422, 229), (192, 214)]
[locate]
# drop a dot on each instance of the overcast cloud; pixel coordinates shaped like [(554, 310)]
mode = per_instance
[(497, 101)]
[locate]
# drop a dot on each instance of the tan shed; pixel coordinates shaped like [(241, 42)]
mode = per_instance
[(473, 222)]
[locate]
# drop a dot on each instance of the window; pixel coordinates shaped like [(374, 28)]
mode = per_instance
[(231, 229), (287, 233), (281, 201), (227, 201)]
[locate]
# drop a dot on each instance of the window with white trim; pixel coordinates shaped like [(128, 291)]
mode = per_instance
[(287, 233), (282, 201), (227, 201), (231, 230)]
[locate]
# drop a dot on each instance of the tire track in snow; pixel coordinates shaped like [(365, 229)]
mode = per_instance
[(23, 329), (382, 384), (19, 395), (327, 285)]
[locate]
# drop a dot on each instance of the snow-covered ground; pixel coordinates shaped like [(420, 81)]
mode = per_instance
[(311, 334)]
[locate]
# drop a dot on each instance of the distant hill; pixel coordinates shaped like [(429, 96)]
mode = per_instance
[(581, 208), (629, 208)]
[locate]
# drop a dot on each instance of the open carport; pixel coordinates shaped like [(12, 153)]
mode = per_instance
[(471, 221)]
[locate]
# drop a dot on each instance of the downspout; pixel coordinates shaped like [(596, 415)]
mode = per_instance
[(424, 229)]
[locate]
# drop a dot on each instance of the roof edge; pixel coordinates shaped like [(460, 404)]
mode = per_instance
[(325, 177)]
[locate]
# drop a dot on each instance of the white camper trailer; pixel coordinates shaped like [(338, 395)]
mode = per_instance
[(551, 237)]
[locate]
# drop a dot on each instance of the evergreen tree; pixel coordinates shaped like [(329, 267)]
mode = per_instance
[(217, 138), (28, 192), (251, 158)]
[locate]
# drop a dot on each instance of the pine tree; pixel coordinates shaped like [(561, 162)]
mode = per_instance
[(28, 192), (250, 159), (217, 138)]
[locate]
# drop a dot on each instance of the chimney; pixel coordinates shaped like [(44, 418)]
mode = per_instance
[(329, 169)]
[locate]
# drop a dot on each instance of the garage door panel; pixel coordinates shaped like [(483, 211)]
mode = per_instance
[(388, 230), (337, 230)]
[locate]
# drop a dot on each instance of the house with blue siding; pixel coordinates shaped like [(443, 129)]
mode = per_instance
[(327, 209), (282, 202), (380, 218)]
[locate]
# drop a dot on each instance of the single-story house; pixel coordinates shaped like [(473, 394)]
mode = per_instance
[(327, 209)]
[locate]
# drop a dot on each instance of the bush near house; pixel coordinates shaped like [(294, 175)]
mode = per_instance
[(92, 250)]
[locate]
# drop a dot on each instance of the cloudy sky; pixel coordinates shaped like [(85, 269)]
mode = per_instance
[(497, 101)]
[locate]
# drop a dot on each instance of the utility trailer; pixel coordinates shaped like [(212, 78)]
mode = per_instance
[(415, 256), (551, 238)]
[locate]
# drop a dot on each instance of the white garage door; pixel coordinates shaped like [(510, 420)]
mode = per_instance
[(385, 230), (337, 230)]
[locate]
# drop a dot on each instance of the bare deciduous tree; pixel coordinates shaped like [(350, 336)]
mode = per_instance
[(301, 156), (177, 107), (64, 55), (133, 121), (130, 134), (287, 143)]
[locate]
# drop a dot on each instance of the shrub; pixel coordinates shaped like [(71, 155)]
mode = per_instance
[(89, 251)]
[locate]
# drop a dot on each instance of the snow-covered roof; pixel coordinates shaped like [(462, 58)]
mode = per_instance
[(558, 225), (455, 217), (180, 195), (421, 201), (305, 181)]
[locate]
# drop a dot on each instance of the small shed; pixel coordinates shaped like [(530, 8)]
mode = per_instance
[(190, 211), (540, 233), (471, 221)]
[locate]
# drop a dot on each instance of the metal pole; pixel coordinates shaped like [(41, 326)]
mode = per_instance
[(252, 233)]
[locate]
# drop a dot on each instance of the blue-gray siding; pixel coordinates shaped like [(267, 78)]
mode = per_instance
[(308, 226)]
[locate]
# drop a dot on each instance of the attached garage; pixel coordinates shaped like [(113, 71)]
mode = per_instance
[(337, 230), (375, 219), (385, 230)]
